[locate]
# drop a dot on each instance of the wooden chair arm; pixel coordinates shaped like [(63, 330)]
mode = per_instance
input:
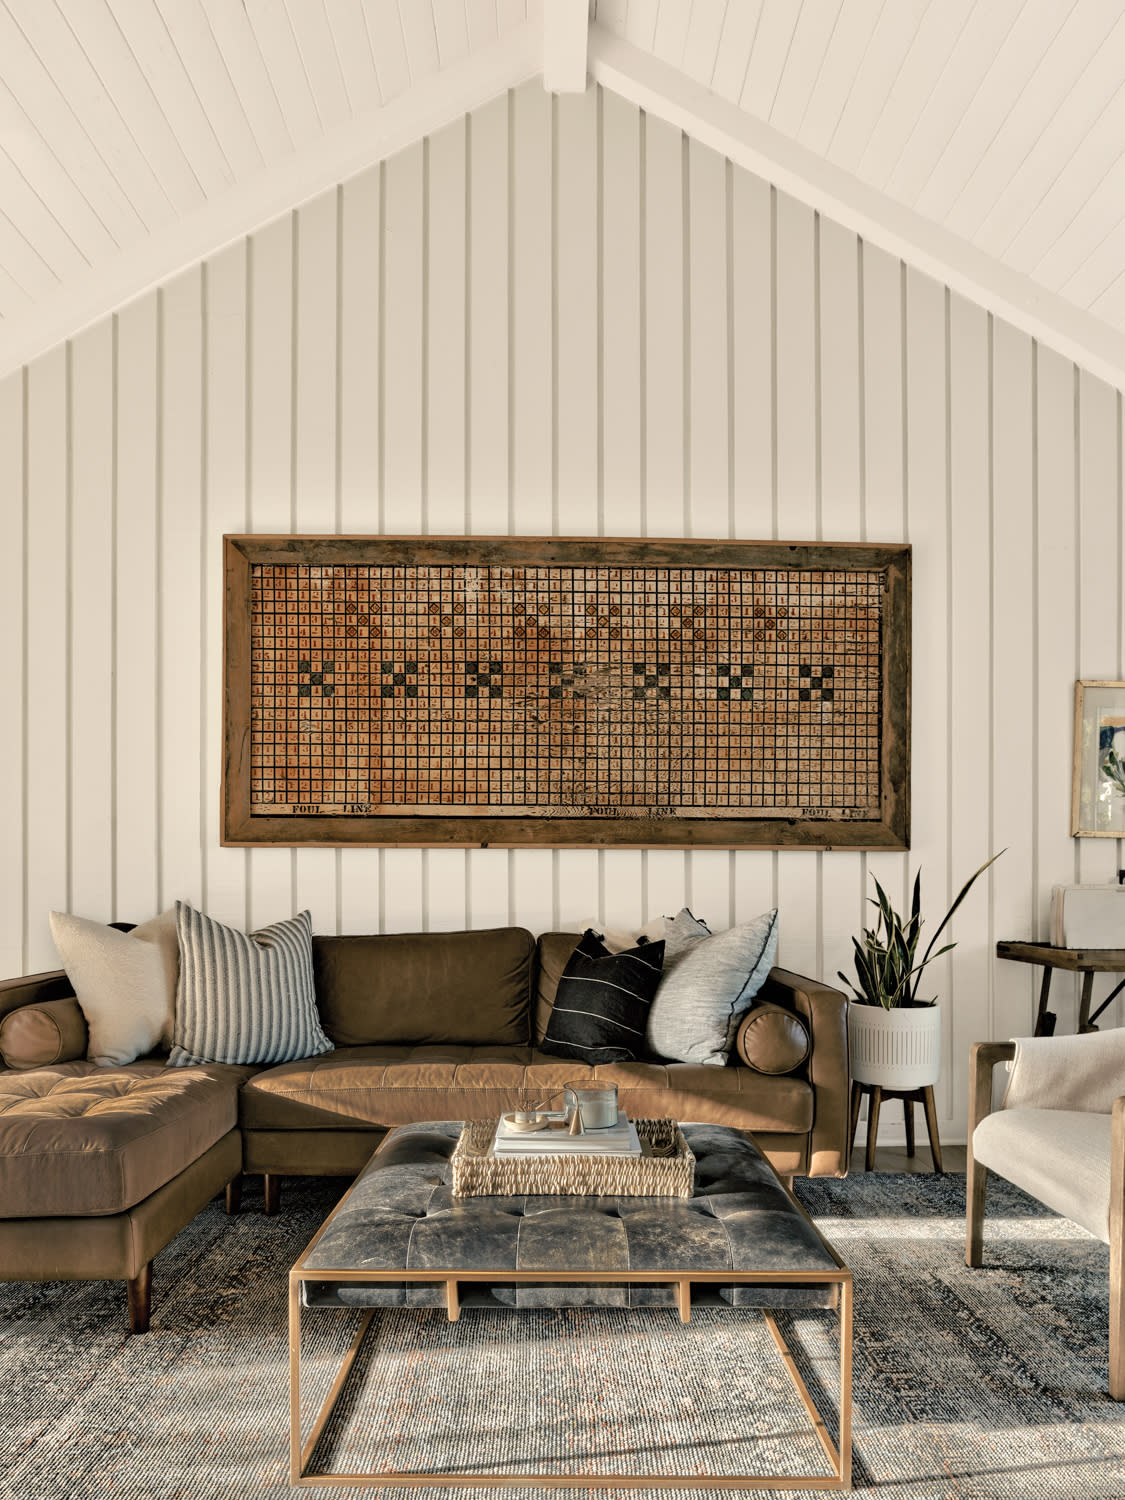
[(983, 1058)]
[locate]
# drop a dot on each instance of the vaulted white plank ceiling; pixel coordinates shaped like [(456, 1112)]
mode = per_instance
[(138, 135)]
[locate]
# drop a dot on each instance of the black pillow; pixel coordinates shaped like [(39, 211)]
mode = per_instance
[(601, 1006)]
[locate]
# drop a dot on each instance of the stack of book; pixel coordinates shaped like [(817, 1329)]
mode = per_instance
[(615, 1140)]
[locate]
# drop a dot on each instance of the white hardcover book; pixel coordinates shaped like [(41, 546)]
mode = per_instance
[(618, 1140)]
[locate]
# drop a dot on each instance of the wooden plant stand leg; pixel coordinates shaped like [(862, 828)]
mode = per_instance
[(234, 1194), (857, 1100), (139, 1289), (908, 1118), (271, 1188), (931, 1127), (873, 1124)]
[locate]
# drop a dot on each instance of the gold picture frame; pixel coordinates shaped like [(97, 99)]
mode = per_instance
[(1097, 807)]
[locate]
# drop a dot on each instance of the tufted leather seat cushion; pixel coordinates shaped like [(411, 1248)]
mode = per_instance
[(79, 1139), (401, 1215), (384, 1086)]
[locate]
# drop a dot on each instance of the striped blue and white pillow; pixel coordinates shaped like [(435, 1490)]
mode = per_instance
[(244, 998), (602, 1002)]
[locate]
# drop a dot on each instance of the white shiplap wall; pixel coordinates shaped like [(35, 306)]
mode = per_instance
[(556, 315)]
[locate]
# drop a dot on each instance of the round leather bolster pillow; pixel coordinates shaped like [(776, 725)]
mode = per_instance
[(49, 1032), (772, 1039)]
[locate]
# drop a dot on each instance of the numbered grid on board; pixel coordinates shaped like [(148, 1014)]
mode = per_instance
[(565, 690)]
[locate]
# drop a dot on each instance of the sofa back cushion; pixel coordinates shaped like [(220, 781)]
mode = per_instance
[(466, 988), (555, 949)]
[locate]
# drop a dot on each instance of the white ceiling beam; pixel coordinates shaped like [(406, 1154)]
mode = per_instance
[(748, 142), (566, 31), (339, 154)]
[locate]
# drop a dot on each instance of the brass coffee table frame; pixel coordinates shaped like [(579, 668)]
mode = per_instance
[(839, 1456)]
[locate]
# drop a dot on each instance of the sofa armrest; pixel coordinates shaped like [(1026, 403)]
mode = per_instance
[(983, 1060), (824, 1011), (33, 989)]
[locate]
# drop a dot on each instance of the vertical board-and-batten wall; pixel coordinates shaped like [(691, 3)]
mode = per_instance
[(555, 316)]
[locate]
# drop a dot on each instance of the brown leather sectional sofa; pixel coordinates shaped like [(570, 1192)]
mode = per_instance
[(101, 1167)]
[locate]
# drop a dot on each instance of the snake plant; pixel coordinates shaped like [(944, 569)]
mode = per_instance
[(887, 967)]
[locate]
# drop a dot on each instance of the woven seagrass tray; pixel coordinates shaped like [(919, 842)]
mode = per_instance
[(666, 1170)]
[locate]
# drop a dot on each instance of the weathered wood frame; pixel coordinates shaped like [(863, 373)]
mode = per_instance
[(889, 830)]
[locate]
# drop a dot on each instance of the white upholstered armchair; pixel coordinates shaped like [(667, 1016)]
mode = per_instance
[(1059, 1134)]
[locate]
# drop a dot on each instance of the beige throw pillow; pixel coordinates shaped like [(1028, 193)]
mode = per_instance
[(124, 982)]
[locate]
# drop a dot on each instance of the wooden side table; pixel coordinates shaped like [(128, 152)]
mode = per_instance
[(1084, 961), (909, 1097)]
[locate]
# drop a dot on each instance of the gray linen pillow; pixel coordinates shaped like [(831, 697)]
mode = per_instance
[(245, 998), (709, 981)]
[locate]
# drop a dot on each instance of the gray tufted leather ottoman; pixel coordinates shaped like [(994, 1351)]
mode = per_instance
[(399, 1238)]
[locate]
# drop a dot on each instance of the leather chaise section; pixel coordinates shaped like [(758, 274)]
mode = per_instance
[(78, 1139)]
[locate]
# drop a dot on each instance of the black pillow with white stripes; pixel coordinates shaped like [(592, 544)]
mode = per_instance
[(602, 1003), (244, 997)]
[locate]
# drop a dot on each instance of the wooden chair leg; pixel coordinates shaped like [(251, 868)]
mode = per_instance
[(908, 1117), (271, 1187), (873, 1124), (976, 1183), (931, 1127), (234, 1194), (857, 1101), (139, 1289)]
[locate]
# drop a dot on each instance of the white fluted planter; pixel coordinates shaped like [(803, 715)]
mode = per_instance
[(896, 1049)]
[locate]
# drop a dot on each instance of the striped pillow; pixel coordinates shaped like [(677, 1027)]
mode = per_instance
[(245, 998), (601, 1005)]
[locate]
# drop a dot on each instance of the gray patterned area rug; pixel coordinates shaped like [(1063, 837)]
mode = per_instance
[(985, 1383)]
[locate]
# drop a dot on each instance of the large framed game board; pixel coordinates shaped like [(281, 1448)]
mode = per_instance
[(565, 691)]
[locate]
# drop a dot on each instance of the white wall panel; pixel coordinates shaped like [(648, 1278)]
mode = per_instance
[(967, 1005), (555, 316), (139, 615), (92, 585), (13, 678), (180, 457), (269, 472), (1013, 675), (224, 503)]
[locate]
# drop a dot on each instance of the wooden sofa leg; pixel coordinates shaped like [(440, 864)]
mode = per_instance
[(271, 1187), (139, 1288), (976, 1182), (234, 1194)]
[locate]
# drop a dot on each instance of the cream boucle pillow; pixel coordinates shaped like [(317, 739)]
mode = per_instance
[(124, 982)]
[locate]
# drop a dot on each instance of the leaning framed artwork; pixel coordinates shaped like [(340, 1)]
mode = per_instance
[(559, 691), (1097, 805)]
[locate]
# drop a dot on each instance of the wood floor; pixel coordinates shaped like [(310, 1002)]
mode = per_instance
[(895, 1159)]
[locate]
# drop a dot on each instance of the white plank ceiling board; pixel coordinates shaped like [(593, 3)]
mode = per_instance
[(275, 37), (249, 76), (451, 26), (1001, 121), (137, 136), (320, 60), (352, 44), (131, 127)]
